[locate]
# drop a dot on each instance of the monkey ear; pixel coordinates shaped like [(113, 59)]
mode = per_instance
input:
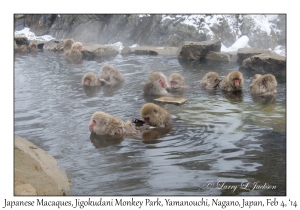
[(155, 111)]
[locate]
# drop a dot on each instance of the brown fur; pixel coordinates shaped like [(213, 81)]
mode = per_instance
[(228, 84), (155, 115), (210, 80), (68, 44), (33, 46), (110, 75), (23, 48), (94, 80), (176, 82), (74, 54), (263, 84), (153, 86), (107, 124)]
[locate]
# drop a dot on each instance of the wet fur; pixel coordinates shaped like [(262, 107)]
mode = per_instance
[(68, 44), (210, 80), (110, 75), (227, 84), (94, 79), (158, 116), (263, 84), (179, 86), (110, 125), (153, 87), (74, 54), (33, 44)]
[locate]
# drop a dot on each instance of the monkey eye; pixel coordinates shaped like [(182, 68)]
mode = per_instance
[(94, 121), (208, 77)]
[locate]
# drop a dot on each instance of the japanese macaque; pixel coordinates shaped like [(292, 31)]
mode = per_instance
[(234, 81), (176, 83), (33, 46), (210, 80), (90, 79), (155, 115), (263, 84), (157, 84), (74, 54), (111, 76), (68, 44), (105, 124), (23, 49)]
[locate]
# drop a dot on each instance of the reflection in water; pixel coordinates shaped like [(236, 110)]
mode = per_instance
[(152, 135), (235, 96), (105, 140), (110, 90), (215, 138), (91, 90), (268, 99)]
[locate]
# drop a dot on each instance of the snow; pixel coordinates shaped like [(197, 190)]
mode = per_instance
[(262, 22), (242, 42), (31, 36)]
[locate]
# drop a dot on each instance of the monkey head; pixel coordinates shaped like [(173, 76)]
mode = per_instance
[(155, 115), (176, 80), (77, 46)]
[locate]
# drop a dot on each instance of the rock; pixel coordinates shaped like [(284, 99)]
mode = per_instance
[(125, 51), (54, 45), (171, 100), (197, 50), (98, 52), (20, 40), (34, 166), (218, 56), (154, 29), (244, 53), (147, 50), (25, 189), (265, 63)]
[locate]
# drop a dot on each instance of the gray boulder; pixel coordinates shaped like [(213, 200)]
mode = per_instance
[(265, 63), (99, 52), (54, 45), (244, 53), (218, 56), (197, 50)]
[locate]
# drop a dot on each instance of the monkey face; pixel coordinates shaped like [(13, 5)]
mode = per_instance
[(93, 123), (87, 81), (174, 84), (212, 79), (163, 82), (99, 122), (255, 77), (236, 82)]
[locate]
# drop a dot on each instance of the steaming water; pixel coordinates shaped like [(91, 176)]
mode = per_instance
[(216, 139)]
